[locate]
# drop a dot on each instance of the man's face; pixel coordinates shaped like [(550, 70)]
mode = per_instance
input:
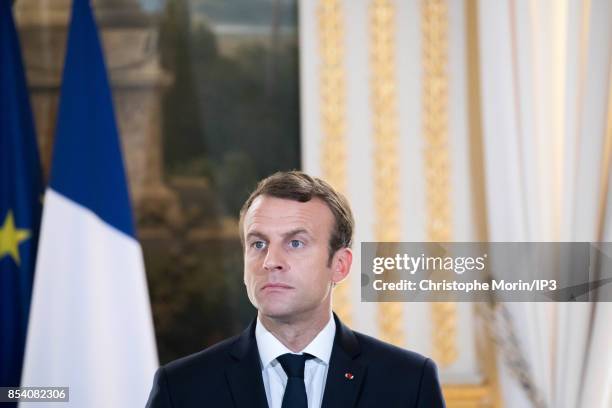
[(286, 270)]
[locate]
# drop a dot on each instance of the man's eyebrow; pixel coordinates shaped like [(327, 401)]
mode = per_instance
[(292, 233), (295, 232), (256, 234)]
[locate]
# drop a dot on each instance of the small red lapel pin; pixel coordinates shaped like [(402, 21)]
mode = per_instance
[(349, 376)]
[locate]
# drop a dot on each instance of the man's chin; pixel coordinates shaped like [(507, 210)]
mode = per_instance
[(277, 313)]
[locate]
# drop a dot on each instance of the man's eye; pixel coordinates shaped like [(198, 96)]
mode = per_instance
[(258, 245), (294, 243)]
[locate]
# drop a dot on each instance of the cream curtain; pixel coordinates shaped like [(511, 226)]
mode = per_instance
[(546, 122)]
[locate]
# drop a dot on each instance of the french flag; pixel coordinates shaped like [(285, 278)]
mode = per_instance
[(90, 324)]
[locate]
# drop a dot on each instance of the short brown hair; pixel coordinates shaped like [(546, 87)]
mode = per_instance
[(299, 186)]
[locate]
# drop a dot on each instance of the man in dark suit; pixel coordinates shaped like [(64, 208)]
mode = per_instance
[(297, 233)]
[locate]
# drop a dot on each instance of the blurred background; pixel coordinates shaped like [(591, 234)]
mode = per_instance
[(441, 120)]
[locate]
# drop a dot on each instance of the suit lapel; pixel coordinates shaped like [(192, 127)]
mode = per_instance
[(244, 377), (345, 375)]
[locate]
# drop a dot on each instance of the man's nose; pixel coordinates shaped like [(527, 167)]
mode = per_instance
[(274, 260)]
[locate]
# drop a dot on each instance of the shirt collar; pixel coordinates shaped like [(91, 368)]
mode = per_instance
[(270, 347)]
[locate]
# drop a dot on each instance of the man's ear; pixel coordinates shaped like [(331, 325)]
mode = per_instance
[(341, 264)]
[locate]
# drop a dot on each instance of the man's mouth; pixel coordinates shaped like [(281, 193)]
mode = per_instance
[(275, 286)]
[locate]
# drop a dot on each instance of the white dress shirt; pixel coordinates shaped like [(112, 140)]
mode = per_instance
[(315, 371)]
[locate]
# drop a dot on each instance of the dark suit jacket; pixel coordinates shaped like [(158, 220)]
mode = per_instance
[(228, 374)]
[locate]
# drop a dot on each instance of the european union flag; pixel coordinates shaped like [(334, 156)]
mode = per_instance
[(20, 201)]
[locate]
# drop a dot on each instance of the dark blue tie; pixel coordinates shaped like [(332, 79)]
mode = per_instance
[(295, 391)]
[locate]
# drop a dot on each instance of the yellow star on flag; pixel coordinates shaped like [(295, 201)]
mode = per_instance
[(10, 238)]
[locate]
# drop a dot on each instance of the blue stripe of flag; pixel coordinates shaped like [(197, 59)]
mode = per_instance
[(87, 162)]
